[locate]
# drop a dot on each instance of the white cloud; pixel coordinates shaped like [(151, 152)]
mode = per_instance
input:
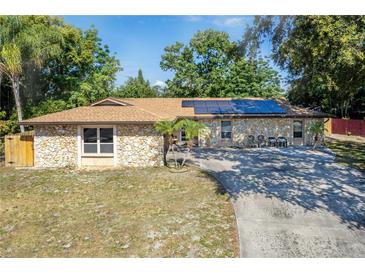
[(230, 22), (160, 83)]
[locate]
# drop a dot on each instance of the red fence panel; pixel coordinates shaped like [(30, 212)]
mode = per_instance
[(345, 126), (339, 126)]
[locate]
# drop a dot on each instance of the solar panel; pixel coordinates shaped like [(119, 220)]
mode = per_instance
[(213, 110), (187, 103), (236, 106), (201, 110)]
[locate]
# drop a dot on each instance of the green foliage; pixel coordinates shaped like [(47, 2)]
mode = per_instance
[(252, 79), (191, 128), (324, 56), (169, 127), (166, 127), (9, 126), (25, 41), (317, 129), (48, 106), (209, 66), (84, 72), (56, 63), (136, 88)]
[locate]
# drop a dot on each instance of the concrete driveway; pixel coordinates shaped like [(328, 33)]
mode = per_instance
[(291, 202)]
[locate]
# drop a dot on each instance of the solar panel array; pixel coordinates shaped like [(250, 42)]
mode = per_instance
[(237, 106)]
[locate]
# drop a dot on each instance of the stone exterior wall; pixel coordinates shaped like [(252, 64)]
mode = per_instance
[(241, 128), (55, 146), (139, 146)]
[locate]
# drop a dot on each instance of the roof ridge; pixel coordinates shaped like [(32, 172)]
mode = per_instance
[(147, 111)]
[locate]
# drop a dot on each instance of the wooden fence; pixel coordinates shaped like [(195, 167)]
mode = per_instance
[(19, 149), (347, 127)]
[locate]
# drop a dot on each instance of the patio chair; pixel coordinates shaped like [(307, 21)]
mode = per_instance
[(251, 141), (261, 141), (272, 141), (282, 141)]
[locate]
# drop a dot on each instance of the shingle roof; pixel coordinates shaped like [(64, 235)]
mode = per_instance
[(150, 110)]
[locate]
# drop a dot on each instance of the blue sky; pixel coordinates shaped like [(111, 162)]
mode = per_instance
[(139, 41)]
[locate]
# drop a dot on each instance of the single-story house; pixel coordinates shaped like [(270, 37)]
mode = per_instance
[(120, 131)]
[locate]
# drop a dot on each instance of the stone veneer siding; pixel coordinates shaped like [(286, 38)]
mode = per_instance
[(243, 127), (55, 146), (139, 146)]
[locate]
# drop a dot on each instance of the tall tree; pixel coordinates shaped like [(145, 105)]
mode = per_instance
[(80, 71), (85, 70), (209, 66), (323, 55), (252, 79), (136, 87), (25, 42)]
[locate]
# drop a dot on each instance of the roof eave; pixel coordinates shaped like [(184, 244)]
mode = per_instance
[(33, 123)]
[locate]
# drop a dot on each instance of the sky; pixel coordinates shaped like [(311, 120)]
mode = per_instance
[(139, 41)]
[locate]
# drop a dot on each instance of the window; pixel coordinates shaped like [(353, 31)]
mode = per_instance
[(98, 141), (297, 129), (182, 135), (226, 130)]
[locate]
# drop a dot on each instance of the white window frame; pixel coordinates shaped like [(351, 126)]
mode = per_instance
[(98, 153), (226, 139)]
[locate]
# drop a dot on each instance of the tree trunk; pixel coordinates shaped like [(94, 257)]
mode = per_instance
[(315, 141), (15, 85), (166, 146)]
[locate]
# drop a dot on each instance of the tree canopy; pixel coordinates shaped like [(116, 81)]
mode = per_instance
[(25, 43), (210, 66), (61, 65), (323, 55), (136, 87)]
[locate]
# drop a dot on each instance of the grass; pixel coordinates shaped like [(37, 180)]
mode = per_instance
[(348, 153), (114, 213)]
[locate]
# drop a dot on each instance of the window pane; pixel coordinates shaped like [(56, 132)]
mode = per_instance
[(106, 135), (106, 148), (226, 130), (183, 135), (297, 125), (226, 125), (226, 135), (90, 135), (90, 148), (298, 134)]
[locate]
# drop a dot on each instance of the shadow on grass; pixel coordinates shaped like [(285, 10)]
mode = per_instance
[(348, 153), (220, 189)]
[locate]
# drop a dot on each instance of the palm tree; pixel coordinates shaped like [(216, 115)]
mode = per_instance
[(25, 41), (192, 130), (317, 129), (167, 129)]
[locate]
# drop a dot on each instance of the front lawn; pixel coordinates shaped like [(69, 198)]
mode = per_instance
[(114, 213), (349, 153)]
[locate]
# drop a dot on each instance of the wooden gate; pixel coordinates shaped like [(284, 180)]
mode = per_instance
[(19, 149)]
